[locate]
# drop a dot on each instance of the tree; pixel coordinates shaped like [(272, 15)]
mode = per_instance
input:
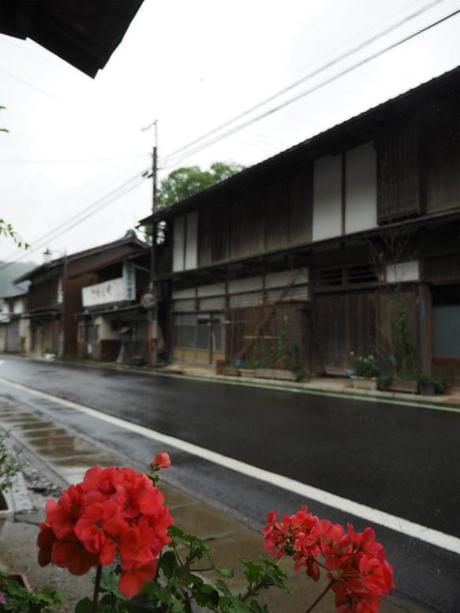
[(188, 180)]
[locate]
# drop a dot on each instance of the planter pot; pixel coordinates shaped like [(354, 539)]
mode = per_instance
[(230, 370), (405, 386), (248, 372), (276, 373), (6, 510), (21, 579), (364, 383), (426, 389)]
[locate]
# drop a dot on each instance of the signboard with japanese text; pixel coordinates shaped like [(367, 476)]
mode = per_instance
[(104, 293)]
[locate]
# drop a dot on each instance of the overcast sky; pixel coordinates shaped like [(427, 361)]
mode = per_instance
[(192, 66)]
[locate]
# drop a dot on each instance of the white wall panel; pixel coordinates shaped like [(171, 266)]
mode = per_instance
[(361, 189), (216, 289), (178, 244), (245, 285), (285, 277), (403, 272), (179, 294), (191, 244), (327, 198)]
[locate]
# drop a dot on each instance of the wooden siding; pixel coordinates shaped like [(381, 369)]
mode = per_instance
[(97, 260), (301, 206), (398, 175), (276, 208), (213, 234), (358, 321), (270, 218), (43, 292), (247, 228), (440, 157)]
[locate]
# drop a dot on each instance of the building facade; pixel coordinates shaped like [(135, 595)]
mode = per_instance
[(14, 324), (346, 243), (113, 323), (54, 299)]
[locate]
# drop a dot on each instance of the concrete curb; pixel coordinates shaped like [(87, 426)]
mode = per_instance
[(444, 403)]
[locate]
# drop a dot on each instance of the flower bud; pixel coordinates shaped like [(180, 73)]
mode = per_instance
[(161, 460)]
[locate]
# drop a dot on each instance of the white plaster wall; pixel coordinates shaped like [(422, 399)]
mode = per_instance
[(216, 289), (105, 329), (191, 245), (403, 272), (180, 294), (18, 307), (245, 285), (327, 197), (24, 332), (178, 244), (361, 189), (286, 277)]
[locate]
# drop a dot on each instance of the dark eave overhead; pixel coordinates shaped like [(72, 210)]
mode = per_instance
[(346, 134), (84, 33)]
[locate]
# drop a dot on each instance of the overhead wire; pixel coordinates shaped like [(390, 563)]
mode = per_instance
[(313, 73), (75, 161), (83, 215), (311, 90)]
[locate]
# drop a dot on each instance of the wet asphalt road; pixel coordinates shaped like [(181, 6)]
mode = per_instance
[(400, 459)]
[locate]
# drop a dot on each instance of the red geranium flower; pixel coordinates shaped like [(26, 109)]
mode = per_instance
[(113, 512), (354, 561)]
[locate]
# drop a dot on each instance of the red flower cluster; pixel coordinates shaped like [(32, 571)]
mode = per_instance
[(114, 511), (354, 561)]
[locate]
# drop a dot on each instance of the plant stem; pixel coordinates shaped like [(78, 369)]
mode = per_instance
[(323, 593), (97, 585)]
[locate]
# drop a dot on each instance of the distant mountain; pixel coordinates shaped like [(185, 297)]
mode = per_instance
[(11, 272)]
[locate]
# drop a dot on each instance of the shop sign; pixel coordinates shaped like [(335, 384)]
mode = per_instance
[(104, 293), (129, 280)]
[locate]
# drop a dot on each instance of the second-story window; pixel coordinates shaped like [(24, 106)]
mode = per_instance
[(345, 193), (185, 250)]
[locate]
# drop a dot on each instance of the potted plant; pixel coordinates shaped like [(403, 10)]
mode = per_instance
[(426, 385), (429, 386), (365, 371), (9, 467)]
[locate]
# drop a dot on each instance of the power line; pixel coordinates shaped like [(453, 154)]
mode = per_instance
[(310, 75), (313, 89), (76, 223), (82, 215), (28, 84), (76, 161)]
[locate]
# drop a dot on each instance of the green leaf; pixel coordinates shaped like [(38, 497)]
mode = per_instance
[(229, 573), (83, 606), (169, 563)]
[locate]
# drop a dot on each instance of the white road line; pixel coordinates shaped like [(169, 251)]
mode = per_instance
[(398, 524)]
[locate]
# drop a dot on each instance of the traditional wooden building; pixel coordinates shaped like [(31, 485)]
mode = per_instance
[(113, 323), (347, 242), (54, 300), (14, 324)]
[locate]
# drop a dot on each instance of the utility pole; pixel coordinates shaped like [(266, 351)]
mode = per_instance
[(153, 311)]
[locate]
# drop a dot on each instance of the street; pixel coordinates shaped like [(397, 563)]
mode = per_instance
[(367, 452)]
